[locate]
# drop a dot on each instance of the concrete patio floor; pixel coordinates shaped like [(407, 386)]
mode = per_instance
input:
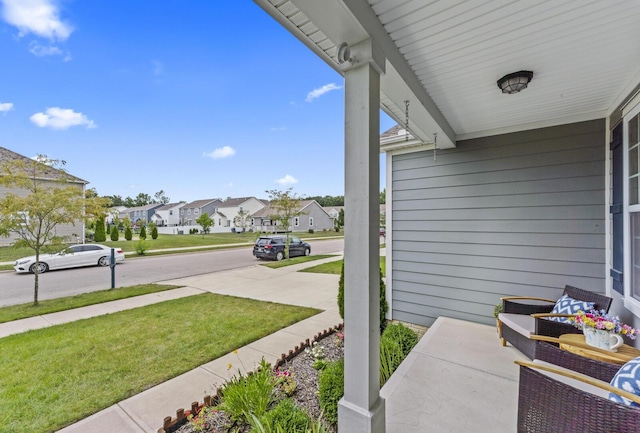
[(458, 378)]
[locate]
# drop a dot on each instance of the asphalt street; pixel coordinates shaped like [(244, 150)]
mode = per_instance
[(18, 288)]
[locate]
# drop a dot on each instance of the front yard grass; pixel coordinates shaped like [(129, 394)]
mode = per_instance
[(336, 267), (23, 311), (53, 377)]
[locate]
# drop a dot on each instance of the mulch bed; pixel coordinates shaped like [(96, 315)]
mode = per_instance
[(306, 392)]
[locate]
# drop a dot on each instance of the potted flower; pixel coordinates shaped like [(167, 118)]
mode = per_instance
[(496, 312), (602, 330)]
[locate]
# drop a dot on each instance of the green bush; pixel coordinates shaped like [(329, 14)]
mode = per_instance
[(154, 233), (115, 234), (384, 307), (251, 394), (143, 233), (331, 389), (127, 234), (100, 235), (404, 336), (286, 416), (141, 247), (311, 231), (391, 357)]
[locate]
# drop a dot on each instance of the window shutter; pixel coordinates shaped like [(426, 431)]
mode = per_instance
[(617, 160)]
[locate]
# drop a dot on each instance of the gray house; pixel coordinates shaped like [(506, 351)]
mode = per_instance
[(190, 212), (71, 232), (312, 217), (514, 170), (141, 213)]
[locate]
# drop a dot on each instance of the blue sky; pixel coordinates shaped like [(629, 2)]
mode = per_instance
[(198, 98)]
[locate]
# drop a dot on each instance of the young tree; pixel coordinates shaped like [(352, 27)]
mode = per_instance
[(340, 219), (143, 233), (100, 234), (160, 197), (286, 206), (48, 198), (115, 234), (242, 219), (127, 233), (154, 232), (205, 222)]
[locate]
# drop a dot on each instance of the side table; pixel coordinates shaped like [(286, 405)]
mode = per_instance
[(575, 343)]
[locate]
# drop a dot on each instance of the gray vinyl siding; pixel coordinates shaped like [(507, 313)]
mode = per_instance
[(515, 214), (69, 232), (321, 220)]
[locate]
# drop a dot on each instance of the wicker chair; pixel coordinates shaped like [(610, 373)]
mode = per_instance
[(522, 316), (553, 399)]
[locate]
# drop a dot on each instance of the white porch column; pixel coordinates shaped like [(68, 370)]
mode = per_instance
[(362, 410)]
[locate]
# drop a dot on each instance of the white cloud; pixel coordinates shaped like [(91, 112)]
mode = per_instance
[(287, 180), (5, 107), (278, 129), (40, 17), (61, 118), (222, 152), (41, 50), (316, 93)]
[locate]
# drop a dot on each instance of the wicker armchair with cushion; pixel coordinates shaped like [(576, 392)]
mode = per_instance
[(556, 399), (522, 317)]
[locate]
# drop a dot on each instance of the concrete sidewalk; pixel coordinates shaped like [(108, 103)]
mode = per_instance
[(144, 413)]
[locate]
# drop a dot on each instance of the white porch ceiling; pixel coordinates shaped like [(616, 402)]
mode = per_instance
[(445, 56)]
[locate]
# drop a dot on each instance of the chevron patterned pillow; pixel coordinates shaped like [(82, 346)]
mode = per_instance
[(627, 379), (568, 305)]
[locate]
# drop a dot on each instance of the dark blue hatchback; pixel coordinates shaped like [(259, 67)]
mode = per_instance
[(272, 247)]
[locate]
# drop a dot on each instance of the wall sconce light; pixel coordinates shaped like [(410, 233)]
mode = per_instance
[(344, 53), (515, 82)]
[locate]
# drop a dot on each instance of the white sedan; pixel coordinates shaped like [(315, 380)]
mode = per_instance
[(71, 257)]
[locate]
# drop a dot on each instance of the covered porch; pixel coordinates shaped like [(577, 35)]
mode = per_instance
[(457, 379), (513, 171)]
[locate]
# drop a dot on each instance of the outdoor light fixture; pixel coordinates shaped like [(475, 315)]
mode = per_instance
[(513, 83)]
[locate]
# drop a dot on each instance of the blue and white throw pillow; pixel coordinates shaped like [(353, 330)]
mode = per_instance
[(627, 379), (568, 305)]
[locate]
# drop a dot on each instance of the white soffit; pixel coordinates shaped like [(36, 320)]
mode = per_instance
[(584, 55)]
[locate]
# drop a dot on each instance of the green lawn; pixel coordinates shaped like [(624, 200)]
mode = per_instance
[(171, 241), (53, 377), (336, 267), (22, 311)]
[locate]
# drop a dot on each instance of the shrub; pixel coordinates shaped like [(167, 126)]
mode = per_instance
[(115, 234), (391, 357), (331, 389), (251, 394), (127, 234), (404, 336), (311, 231), (143, 233), (100, 235), (141, 247), (154, 233), (384, 307), (286, 416)]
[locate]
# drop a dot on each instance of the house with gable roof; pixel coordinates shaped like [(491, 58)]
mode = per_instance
[(71, 232), (190, 212), (167, 215), (226, 212), (312, 217)]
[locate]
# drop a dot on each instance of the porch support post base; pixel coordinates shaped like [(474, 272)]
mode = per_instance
[(353, 418)]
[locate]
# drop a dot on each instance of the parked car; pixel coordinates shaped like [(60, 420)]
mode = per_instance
[(71, 257), (272, 247)]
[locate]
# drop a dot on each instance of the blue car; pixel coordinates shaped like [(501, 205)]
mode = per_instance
[(272, 247)]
